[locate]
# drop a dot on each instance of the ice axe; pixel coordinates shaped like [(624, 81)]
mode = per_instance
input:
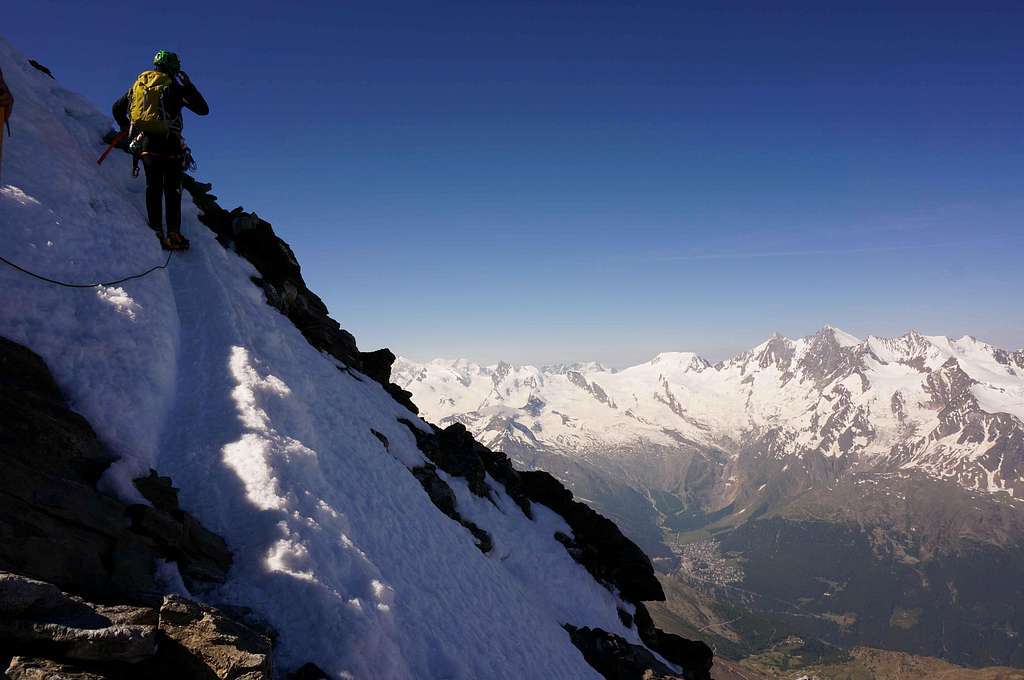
[(117, 138)]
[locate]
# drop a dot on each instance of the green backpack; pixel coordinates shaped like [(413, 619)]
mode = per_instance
[(146, 108)]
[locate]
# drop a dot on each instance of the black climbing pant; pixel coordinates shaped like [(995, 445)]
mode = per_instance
[(163, 191)]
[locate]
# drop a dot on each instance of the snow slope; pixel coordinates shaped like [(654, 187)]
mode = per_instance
[(190, 371)]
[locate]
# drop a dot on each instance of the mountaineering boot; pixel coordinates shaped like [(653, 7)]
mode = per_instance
[(177, 241)]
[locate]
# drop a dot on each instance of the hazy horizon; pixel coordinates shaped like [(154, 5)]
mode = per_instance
[(712, 356)]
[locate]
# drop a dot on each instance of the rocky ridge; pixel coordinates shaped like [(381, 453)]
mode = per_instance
[(597, 543)]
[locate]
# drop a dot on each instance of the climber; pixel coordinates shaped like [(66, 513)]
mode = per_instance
[(150, 112), (6, 107)]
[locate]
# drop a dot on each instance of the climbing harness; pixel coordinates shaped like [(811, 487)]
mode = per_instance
[(89, 285)]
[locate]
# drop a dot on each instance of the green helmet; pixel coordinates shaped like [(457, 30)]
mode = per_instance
[(167, 61)]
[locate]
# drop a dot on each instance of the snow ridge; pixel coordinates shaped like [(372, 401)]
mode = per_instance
[(191, 372)]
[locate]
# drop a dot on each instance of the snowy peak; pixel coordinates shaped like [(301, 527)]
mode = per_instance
[(680, 361), (778, 352), (579, 367), (838, 336), (818, 357), (911, 349), (829, 354)]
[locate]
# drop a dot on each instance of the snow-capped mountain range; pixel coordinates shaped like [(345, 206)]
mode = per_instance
[(953, 409)]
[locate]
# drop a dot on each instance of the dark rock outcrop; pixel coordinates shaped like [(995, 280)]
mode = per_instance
[(202, 556), (59, 534), (616, 659), (455, 451), (281, 280), (442, 496), (694, 656), (55, 525), (36, 418), (37, 618), (377, 365), (597, 543)]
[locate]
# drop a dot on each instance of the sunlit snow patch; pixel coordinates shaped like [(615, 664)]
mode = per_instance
[(250, 456), (15, 194), (119, 298), (289, 556), (384, 595)]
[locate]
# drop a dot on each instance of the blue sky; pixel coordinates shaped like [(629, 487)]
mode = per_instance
[(548, 181)]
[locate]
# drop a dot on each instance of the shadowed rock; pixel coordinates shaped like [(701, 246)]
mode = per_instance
[(39, 619), (693, 655), (55, 525), (597, 543), (202, 556), (442, 496), (58, 532), (616, 659), (308, 671), (280, 277)]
